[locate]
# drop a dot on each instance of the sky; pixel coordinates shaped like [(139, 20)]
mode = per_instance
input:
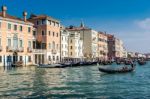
[(128, 20)]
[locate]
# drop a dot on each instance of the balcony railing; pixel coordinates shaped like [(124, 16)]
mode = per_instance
[(21, 49), (39, 51), (29, 49), (9, 49), (1, 48), (54, 51)]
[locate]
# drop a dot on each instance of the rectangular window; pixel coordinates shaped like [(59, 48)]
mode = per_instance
[(29, 29), (15, 27), (57, 58), (20, 58), (43, 33), (49, 33), (37, 22), (49, 58), (0, 59), (34, 33), (43, 21), (70, 47), (29, 44), (53, 33), (53, 58), (9, 42), (57, 34), (9, 26), (20, 28), (29, 58), (49, 45), (71, 53), (21, 44)]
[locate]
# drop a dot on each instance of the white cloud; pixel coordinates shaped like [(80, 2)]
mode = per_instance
[(144, 24)]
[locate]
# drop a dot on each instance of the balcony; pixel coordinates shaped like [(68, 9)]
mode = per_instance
[(54, 51), (9, 49), (39, 51), (1, 48), (29, 49), (21, 49)]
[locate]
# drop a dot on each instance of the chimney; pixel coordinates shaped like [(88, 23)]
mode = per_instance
[(4, 9), (25, 16)]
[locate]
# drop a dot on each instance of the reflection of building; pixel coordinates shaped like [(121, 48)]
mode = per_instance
[(115, 47), (15, 39), (64, 44), (75, 46), (89, 38), (47, 39), (102, 45)]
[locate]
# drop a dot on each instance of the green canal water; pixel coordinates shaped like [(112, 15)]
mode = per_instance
[(73, 83)]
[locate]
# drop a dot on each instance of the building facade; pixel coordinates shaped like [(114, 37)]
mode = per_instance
[(75, 47), (102, 46), (47, 39), (115, 47), (90, 40), (15, 39), (64, 45)]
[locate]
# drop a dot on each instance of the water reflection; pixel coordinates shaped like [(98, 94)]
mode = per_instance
[(81, 82)]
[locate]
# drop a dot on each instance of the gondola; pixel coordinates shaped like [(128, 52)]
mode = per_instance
[(119, 70), (141, 62)]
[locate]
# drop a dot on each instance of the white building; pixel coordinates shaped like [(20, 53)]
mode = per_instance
[(90, 39), (64, 44), (75, 47)]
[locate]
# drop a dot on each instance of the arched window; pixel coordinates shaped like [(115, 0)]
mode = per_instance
[(15, 41)]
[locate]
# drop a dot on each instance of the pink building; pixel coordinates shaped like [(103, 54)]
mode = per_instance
[(15, 39)]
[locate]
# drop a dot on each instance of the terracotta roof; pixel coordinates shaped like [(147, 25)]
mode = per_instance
[(12, 17), (41, 17)]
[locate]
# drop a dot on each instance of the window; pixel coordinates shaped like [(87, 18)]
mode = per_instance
[(49, 45), (0, 24), (29, 44), (9, 42), (53, 33), (43, 21), (70, 53), (62, 38), (49, 33), (57, 34), (15, 27), (57, 46), (29, 29), (29, 58), (20, 28), (34, 33), (43, 33), (20, 43), (57, 58), (53, 58), (49, 22), (70, 41), (9, 26), (20, 58), (53, 45), (49, 58), (37, 22), (0, 59), (70, 47)]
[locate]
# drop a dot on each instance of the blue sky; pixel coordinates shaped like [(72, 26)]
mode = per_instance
[(127, 19)]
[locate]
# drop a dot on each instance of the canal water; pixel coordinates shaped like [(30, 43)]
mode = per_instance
[(73, 83)]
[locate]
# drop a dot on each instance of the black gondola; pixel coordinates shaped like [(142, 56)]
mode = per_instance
[(120, 70)]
